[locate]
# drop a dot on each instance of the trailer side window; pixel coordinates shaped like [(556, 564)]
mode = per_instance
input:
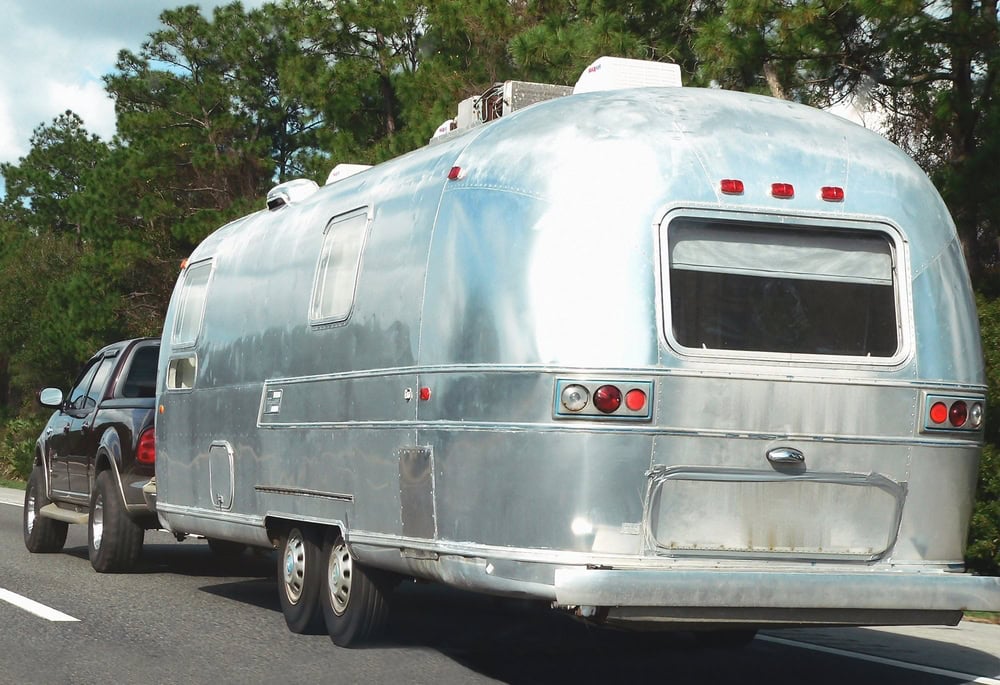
[(337, 268), (776, 289), (191, 307)]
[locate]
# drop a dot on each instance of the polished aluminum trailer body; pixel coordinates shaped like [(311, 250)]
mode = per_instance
[(421, 406)]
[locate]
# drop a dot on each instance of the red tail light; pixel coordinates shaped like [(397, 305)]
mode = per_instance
[(608, 398), (958, 414), (145, 451)]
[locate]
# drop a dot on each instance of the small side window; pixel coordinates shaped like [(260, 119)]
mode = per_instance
[(181, 373), (191, 304), (337, 268)]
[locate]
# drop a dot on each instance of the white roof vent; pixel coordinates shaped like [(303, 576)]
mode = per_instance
[(289, 192), (612, 73), (342, 171)]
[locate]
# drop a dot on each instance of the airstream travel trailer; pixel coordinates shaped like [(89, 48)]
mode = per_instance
[(659, 356)]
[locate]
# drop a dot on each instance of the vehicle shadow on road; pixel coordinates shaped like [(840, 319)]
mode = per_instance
[(521, 641)]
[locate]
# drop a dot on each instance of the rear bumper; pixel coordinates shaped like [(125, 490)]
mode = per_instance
[(785, 591)]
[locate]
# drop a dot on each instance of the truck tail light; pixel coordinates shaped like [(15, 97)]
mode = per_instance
[(145, 452)]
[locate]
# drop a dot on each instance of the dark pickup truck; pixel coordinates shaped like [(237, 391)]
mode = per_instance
[(94, 457)]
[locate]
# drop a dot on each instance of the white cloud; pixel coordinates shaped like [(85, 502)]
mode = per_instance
[(53, 55)]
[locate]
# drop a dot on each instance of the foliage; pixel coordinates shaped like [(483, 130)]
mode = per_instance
[(17, 447), (983, 553)]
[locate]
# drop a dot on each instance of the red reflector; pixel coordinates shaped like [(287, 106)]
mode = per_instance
[(455, 173), (784, 190), (731, 186), (607, 398), (958, 414), (832, 193), (939, 412), (145, 452), (635, 399), (425, 394)]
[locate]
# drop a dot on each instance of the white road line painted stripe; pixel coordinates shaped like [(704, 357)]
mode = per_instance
[(968, 678), (34, 607)]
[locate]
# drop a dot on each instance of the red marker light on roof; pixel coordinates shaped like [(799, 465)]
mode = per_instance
[(782, 190), (832, 193), (455, 173), (731, 186)]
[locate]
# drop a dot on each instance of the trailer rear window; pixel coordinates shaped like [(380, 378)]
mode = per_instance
[(776, 289)]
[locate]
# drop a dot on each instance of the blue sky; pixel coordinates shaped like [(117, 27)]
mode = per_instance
[(53, 54)]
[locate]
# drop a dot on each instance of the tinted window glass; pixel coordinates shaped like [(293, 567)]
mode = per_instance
[(141, 379), (762, 288)]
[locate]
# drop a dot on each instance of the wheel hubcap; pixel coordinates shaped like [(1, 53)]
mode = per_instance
[(294, 567), (97, 521), (339, 577)]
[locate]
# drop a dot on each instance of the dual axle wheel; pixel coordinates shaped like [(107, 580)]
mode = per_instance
[(320, 584)]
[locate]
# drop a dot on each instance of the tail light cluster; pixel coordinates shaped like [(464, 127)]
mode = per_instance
[(145, 451), (944, 412), (613, 399)]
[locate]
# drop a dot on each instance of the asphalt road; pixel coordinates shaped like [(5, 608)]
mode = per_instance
[(186, 617)]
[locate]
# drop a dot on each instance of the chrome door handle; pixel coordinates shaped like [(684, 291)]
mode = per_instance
[(785, 455)]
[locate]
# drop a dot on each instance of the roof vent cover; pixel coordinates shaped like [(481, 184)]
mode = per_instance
[(290, 192)]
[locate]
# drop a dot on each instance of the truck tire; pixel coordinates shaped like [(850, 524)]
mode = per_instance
[(40, 534), (299, 580), (114, 540), (355, 600)]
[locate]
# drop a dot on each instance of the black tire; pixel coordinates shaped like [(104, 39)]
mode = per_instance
[(299, 579), (114, 540), (225, 548), (355, 599), (40, 534)]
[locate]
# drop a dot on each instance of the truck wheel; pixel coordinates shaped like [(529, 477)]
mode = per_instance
[(40, 534), (299, 580), (114, 540), (354, 600)]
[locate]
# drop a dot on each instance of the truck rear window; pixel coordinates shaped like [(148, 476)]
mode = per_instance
[(777, 289)]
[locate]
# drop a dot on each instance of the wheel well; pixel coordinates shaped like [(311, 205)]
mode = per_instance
[(278, 527)]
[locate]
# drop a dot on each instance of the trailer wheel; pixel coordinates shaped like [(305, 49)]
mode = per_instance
[(354, 599), (114, 540), (299, 577), (40, 534)]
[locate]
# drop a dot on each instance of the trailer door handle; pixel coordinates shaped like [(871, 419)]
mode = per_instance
[(785, 455)]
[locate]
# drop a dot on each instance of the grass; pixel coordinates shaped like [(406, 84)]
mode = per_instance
[(16, 484), (983, 616)]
